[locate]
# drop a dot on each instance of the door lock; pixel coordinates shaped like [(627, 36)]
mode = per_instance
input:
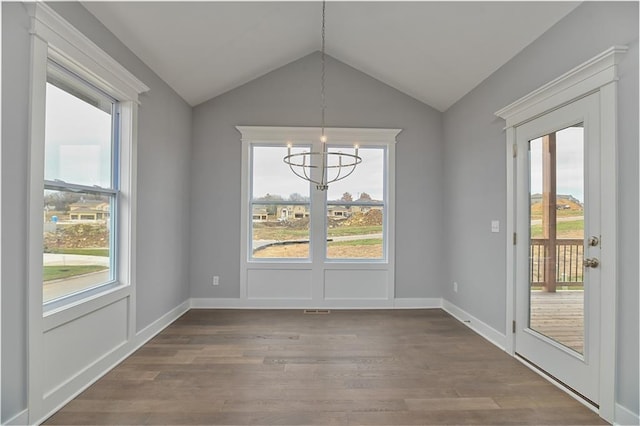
[(591, 263), (594, 241)]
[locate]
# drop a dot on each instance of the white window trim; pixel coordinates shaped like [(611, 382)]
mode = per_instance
[(53, 37), (345, 136), (598, 74)]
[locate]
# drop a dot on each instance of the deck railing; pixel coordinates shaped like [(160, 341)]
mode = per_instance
[(569, 256)]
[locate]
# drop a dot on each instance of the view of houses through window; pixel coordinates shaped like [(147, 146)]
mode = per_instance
[(281, 209), (80, 191)]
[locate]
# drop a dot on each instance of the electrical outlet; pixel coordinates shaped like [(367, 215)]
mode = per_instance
[(216, 280), (455, 286)]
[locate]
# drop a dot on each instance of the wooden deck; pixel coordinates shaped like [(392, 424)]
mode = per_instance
[(560, 316)]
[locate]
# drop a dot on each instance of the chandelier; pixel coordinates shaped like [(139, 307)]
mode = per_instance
[(333, 165)]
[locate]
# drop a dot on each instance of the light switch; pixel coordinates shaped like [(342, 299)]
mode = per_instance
[(495, 226)]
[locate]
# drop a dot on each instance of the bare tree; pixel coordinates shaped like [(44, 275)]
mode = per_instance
[(346, 197), (298, 197), (364, 197)]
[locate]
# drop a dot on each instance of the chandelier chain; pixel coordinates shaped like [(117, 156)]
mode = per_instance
[(302, 164), (323, 70)]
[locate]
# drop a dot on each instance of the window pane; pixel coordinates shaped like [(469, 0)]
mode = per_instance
[(355, 209), (556, 250), (78, 142), (355, 232), (280, 231), (77, 242), (272, 179), (367, 181)]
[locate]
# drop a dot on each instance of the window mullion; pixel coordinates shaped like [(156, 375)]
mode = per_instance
[(72, 187), (318, 231)]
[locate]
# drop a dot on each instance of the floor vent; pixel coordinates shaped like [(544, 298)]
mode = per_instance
[(317, 311)]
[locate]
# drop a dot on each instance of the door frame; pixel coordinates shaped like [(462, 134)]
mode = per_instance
[(597, 75)]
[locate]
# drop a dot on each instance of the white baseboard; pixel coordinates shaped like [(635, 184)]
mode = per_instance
[(625, 417), (150, 331), (483, 329), (22, 418), (238, 303), (418, 303), (88, 376)]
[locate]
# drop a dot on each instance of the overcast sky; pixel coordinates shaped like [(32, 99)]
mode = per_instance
[(272, 176), (77, 140), (78, 150), (569, 163)]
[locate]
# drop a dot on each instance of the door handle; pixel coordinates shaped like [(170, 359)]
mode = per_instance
[(591, 263)]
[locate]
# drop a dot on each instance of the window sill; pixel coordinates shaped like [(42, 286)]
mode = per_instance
[(63, 311)]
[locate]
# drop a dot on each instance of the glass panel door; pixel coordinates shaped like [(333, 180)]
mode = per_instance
[(556, 212)]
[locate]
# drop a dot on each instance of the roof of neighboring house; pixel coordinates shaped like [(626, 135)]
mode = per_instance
[(90, 205), (85, 211)]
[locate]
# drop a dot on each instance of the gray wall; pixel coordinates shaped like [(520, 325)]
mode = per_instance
[(163, 190), (450, 176), (475, 178), (290, 96)]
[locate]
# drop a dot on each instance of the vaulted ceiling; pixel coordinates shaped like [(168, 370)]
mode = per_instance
[(435, 52)]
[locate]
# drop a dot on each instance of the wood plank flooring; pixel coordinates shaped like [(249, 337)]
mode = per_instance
[(276, 367)]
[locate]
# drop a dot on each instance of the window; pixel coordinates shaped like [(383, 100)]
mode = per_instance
[(83, 126), (80, 186), (311, 248), (286, 213), (356, 209), (353, 214), (280, 207), (81, 209)]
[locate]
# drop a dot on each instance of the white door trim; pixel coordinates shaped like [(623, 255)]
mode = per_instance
[(598, 74), (580, 372)]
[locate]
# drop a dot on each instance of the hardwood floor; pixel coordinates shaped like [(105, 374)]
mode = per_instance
[(275, 367)]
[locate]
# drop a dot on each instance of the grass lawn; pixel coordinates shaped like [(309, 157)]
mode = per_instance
[(559, 213), (102, 252), (282, 233), (355, 243), (59, 272), (355, 230), (571, 229)]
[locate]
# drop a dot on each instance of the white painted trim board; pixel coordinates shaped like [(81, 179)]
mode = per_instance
[(483, 329), (596, 74), (101, 367), (22, 418), (625, 417), (243, 303)]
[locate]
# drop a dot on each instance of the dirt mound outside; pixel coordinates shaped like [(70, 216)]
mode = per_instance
[(370, 218), (81, 235)]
